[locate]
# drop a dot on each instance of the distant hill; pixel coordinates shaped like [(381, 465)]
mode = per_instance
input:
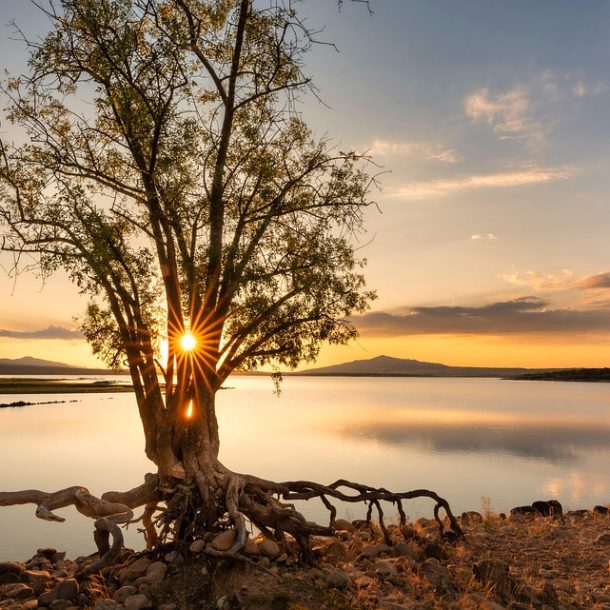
[(36, 366), (569, 375), (386, 366)]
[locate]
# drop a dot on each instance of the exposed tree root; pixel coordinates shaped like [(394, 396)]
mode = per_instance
[(237, 500)]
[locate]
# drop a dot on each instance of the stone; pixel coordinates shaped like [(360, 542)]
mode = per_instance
[(437, 575), (363, 582), (12, 567), (601, 510), (344, 524), (338, 579), (402, 549), (123, 593), (60, 604), (548, 508), (156, 567), (471, 517), (374, 550), (168, 607), (17, 591), (251, 548), (37, 579), (107, 604), (66, 589), (197, 546), (137, 602), (528, 511), (48, 551), (384, 569), (225, 540), (603, 539), (433, 550), (270, 548), (335, 551), (134, 569)]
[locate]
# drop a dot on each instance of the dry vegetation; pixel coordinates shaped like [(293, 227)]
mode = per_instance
[(519, 563)]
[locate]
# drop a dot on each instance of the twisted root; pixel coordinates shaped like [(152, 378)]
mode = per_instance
[(237, 500)]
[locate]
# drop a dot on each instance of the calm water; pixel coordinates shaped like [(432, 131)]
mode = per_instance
[(512, 442)]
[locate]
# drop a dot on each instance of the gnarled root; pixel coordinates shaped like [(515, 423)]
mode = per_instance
[(218, 499), (109, 511)]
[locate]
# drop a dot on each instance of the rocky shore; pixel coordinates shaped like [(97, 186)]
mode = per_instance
[(525, 561)]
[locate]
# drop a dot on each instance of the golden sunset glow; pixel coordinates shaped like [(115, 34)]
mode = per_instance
[(188, 342)]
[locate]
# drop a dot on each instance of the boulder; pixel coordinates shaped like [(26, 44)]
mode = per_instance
[(11, 567), (338, 579), (17, 591), (197, 546), (37, 579), (548, 508), (437, 575), (471, 517), (374, 550), (601, 510), (123, 593), (137, 602), (344, 524), (224, 541), (60, 604), (270, 548), (107, 604), (67, 589)]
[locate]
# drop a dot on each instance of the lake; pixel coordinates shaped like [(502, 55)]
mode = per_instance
[(510, 442)]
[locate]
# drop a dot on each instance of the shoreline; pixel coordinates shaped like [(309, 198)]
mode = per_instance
[(520, 563)]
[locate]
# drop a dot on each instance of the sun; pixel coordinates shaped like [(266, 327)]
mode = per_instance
[(188, 341)]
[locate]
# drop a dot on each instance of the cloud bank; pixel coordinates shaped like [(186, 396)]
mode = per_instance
[(526, 315)]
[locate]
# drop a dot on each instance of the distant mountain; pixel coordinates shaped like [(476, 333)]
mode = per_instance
[(29, 361), (386, 366), (36, 366)]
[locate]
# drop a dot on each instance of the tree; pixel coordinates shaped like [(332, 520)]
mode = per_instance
[(193, 205)]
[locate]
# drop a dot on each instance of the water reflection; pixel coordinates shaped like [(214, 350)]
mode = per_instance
[(556, 442)]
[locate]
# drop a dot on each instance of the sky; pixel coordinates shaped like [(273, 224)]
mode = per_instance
[(489, 124)]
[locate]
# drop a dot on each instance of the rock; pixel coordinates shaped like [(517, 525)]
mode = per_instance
[(134, 569), (156, 567), (338, 579), (437, 575), (123, 593), (60, 604), (527, 511), (487, 604), (603, 539), (550, 508), (601, 510), (384, 569), (225, 540), (374, 550), (270, 548), (434, 550), (197, 546), (363, 582), (37, 579), (66, 589), (471, 517), (17, 591), (344, 524), (137, 602), (168, 607), (11, 567), (107, 604), (335, 550), (251, 548), (48, 551)]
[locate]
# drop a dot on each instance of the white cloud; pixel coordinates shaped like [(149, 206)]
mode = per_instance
[(446, 186), (427, 150), (539, 280), (509, 114), (484, 236)]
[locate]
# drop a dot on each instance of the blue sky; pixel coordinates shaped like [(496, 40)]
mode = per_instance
[(492, 119)]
